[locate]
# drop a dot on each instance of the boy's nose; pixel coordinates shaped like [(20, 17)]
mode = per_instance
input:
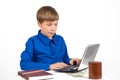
[(53, 28)]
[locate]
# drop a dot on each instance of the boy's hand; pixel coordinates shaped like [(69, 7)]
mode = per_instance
[(72, 61), (58, 65)]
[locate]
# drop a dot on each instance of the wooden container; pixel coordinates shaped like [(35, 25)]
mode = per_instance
[(95, 70)]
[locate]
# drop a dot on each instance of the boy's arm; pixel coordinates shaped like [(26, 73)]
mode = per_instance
[(27, 58), (29, 64), (66, 56)]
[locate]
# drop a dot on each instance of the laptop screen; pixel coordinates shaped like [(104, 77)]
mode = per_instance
[(89, 55)]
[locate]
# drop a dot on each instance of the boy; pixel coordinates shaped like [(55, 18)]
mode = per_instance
[(46, 50)]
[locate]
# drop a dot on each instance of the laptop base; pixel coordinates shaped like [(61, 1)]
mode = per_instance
[(70, 69)]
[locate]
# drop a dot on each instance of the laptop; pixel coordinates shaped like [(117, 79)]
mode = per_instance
[(89, 55)]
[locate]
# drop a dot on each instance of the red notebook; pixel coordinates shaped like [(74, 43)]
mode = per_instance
[(35, 74)]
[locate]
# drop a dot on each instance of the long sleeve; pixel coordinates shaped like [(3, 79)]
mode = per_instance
[(27, 58), (66, 56)]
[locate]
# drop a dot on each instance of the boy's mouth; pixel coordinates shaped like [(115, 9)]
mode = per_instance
[(51, 32)]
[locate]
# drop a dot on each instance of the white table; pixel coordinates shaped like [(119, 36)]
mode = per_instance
[(70, 76)]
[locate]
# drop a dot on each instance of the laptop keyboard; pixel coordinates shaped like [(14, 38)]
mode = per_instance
[(69, 68)]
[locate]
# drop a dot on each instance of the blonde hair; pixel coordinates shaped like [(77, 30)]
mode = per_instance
[(47, 13)]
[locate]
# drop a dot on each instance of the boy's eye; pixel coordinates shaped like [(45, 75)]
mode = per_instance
[(49, 24), (56, 24)]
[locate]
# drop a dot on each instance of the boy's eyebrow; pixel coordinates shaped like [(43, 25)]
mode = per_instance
[(53, 21)]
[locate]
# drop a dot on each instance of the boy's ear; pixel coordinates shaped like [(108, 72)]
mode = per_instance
[(39, 23)]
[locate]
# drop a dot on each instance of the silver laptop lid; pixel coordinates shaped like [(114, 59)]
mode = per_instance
[(89, 55)]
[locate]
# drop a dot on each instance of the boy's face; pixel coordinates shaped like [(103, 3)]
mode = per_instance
[(48, 28)]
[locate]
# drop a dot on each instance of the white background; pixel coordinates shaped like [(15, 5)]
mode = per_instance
[(82, 22)]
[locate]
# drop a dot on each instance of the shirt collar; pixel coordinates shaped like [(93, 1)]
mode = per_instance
[(45, 39)]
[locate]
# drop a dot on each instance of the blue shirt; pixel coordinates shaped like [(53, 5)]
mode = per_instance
[(41, 52)]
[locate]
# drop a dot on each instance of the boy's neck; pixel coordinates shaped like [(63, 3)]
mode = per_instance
[(50, 38)]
